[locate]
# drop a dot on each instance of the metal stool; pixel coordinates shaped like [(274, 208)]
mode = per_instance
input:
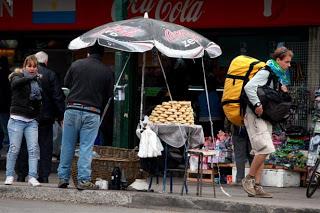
[(200, 153)]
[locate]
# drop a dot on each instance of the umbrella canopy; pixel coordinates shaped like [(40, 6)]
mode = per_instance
[(143, 34)]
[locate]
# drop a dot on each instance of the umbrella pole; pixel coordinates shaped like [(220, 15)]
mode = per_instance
[(211, 127), (207, 97), (114, 89), (164, 75), (142, 85)]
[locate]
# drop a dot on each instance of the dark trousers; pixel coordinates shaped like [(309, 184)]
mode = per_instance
[(46, 148), (242, 149)]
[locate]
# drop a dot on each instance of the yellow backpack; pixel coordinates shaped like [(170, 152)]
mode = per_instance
[(241, 70)]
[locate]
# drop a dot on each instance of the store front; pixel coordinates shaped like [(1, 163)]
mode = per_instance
[(256, 30)]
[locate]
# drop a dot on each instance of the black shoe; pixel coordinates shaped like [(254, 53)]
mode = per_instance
[(86, 185), (63, 184), (21, 179), (43, 179)]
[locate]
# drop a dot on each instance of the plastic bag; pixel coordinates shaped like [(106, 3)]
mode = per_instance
[(57, 137), (193, 162), (150, 145)]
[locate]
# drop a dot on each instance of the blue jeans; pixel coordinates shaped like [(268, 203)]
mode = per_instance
[(80, 125), (16, 130)]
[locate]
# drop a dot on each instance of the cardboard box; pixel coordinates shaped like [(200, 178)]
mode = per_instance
[(280, 178), (274, 177), (234, 173)]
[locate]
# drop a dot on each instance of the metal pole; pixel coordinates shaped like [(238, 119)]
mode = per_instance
[(123, 128)]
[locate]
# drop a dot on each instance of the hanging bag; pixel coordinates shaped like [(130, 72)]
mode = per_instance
[(276, 104)]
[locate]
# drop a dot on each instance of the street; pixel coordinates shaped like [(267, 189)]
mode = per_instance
[(32, 206)]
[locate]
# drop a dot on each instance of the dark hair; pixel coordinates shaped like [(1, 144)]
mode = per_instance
[(282, 52), (96, 49)]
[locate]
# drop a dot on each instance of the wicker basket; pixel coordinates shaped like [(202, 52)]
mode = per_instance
[(111, 157)]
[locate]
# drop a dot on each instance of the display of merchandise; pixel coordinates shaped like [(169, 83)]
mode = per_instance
[(291, 148), (314, 147), (221, 145), (288, 156), (173, 112)]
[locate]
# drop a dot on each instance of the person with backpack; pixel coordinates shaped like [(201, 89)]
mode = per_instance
[(259, 129)]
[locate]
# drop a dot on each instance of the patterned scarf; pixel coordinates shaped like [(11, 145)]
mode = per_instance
[(282, 74), (35, 93)]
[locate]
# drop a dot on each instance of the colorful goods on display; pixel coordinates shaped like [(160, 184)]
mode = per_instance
[(314, 148), (173, 112), (290, 151), (223, 147)]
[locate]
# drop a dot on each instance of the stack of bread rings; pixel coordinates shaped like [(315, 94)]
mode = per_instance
[(173, 112)]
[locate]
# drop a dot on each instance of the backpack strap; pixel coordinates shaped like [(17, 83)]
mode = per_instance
[(272, 78), (243, 97)]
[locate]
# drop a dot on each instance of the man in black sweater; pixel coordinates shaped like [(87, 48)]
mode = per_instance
[(5, 94), (53, 106), (91, 85)]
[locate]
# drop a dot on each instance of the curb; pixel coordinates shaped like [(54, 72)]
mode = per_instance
[(139, 199)]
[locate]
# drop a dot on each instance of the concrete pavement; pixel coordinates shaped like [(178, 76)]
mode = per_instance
[(285, 199)]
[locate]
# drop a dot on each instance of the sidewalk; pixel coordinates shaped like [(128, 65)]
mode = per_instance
[(285, 199)]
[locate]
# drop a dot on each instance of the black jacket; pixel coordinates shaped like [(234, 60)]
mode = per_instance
[(90, 82), (20, 99), (53, 104), (5, 93)]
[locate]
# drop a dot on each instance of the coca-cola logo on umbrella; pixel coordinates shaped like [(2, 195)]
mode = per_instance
[(186, 37), (124, 31)]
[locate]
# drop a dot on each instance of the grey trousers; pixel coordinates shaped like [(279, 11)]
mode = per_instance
[(242, 148)]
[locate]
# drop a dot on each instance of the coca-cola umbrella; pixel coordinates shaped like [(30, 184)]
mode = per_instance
[(142, 34)]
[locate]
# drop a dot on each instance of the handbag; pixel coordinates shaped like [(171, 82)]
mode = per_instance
[(276, 104)]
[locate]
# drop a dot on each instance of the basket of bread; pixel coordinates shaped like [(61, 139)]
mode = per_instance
[(173, 112)]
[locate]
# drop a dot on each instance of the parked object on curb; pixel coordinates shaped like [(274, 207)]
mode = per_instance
[(139, 185), (115, 183), (102, 184)]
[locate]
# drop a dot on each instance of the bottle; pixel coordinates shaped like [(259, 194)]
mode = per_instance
[(124, 182)]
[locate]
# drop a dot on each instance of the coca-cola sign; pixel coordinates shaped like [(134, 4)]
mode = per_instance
[(166, 10), (6, 5)]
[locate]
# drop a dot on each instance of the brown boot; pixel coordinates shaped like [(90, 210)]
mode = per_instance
[(248, 184), (260, 193)]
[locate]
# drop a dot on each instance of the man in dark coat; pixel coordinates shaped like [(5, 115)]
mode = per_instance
[(91, 85), (5, 95), (53, 107)]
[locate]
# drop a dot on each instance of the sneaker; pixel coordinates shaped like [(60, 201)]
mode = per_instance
[(260, 193), (34, 182), (248, 184), (86, 185), (9, 180), (63, 184)]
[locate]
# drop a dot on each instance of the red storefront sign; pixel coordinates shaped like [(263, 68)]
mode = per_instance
[(18, 15)]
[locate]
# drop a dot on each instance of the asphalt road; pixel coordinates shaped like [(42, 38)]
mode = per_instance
[(31, 206)]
